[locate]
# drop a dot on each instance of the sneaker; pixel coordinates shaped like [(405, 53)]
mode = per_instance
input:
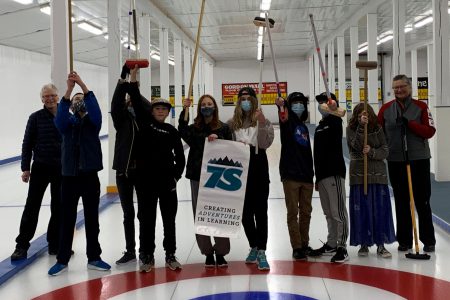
[(221, 262), (363, 251), (126, 258), (298, 254), (210, 262), (98, 265), (429, 248), (340, 256), (57, 269), (147, 262), (172, 262), (55, 252), (261, 260), (324, 250), (404, 248), (19, 254), (252, 256), (307, 250), (381, 251)]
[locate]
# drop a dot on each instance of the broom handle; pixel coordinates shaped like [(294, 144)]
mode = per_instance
[(412, 207), (69, 6), (365, 132), (194, 61), (135, 29)]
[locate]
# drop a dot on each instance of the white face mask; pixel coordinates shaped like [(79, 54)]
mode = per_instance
[(322, 112)]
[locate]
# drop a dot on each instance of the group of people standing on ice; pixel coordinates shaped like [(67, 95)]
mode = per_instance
[(149, 160)]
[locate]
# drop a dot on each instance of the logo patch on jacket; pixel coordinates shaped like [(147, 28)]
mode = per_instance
[(301, 136)]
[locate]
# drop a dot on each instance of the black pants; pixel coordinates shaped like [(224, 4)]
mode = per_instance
[(420, 173), (148, 191), (86, 186), (126, 185), (41, 176), (254, 216)]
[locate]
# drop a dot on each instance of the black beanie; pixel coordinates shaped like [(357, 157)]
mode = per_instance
[(323, 98), (246, 90), (297, 96)]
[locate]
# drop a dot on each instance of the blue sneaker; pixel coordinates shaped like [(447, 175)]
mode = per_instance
[(252, 255), (262, 261), (98, 265), (57, 269)]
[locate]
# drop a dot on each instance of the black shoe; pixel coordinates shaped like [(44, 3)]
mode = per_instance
[(298, 254), (403, 248), (221, 262), (172, 262), (340, 256), (126, 258), (19, 254), (210, 262), (147, 262), (324, 250), (307, 250), (429, 248), (55, 252)]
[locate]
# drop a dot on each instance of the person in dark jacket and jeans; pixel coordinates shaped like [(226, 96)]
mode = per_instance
[(124, 162), (159, 165), (410, 118), (41, 141), (81, 160), (206, 125), (330, 181), (296, 170)]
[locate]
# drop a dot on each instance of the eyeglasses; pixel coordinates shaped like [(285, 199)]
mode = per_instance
[(399, 87), (49, 96)]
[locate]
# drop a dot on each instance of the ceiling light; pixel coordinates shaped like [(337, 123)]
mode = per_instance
[(262, 15), (90, 28), (385, 39), (423, 22), (46, 9), (363, 49), (24, 2), (265, 5), (171, 62), (408, 28)]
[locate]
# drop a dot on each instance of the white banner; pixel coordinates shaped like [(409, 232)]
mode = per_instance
[(221, 192)]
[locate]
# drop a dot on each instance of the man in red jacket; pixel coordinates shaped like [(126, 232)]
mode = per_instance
[(408, 117)]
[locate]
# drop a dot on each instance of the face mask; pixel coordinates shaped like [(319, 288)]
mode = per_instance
[(79, 107), (322, 112), (298, 108), (207, 111), (131, 111), (246, 105)]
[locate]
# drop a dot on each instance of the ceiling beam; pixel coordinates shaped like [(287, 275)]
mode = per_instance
[(151, 9)]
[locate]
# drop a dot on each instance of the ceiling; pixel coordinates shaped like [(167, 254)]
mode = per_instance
[(228, 32)]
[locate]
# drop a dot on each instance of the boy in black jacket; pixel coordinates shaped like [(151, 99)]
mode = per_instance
[(159, 165), (296, 170), (330, 182)]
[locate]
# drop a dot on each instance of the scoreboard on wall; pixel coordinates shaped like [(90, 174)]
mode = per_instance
[(269, 92)]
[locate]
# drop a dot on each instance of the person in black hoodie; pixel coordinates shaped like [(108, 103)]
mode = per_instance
[(124, 162), (206, 125), (330, 182), (296, 170), (159, 165)]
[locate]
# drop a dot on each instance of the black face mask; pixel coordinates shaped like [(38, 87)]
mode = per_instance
[(207, 111), (79, 106)]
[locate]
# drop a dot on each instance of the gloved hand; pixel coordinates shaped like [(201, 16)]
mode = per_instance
[(125, 71)]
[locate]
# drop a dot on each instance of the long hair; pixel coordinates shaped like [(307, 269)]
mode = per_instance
[(372, 125), (239, 115), (199, 120)]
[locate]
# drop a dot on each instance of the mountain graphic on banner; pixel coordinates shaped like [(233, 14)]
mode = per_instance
[(225, 162)]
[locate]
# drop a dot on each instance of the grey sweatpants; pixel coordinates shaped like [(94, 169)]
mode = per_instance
[(333, 200), (222, 245)]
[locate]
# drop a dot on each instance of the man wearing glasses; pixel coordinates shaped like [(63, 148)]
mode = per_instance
[(408, 120), (42, 142)]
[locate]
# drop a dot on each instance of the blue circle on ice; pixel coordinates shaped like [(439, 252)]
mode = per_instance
[(253, 296)]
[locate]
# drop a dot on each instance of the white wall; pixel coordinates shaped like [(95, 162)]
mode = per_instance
[(292, 70), (23, 75)]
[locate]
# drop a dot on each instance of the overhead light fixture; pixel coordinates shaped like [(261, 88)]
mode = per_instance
[(363, 49), (423, 22), (385, 39), (265, 5), (89, 27), (24, 2), (46, 9), (171, 62), (408, 28)]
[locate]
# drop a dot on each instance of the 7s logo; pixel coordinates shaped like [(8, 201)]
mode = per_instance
[(224, 178)]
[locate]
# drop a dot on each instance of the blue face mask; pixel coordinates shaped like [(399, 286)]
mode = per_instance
[(207, 111), (322, 112), (298, 108), (246, 105)]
